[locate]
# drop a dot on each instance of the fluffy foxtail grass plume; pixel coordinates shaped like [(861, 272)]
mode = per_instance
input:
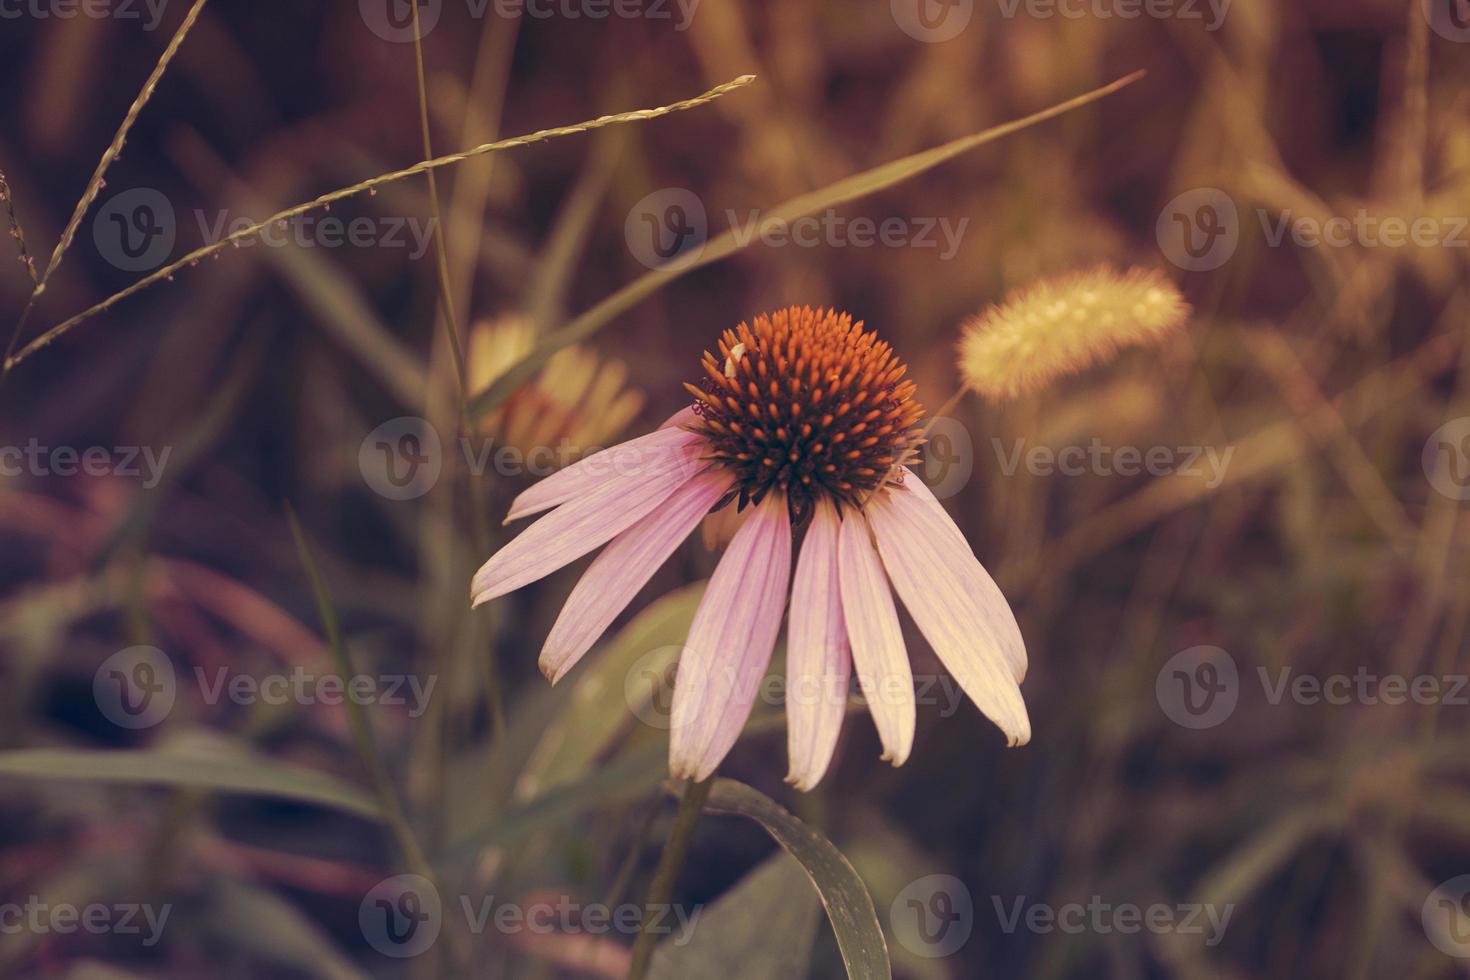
[(1063, 325)]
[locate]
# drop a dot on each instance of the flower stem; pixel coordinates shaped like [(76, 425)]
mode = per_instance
[(667, 874)]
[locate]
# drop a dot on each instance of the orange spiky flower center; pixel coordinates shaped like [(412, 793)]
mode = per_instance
[(808, 403)]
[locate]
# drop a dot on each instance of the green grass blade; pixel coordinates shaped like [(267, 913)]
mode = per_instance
[(845, 897), (727, 244), (151, 767)]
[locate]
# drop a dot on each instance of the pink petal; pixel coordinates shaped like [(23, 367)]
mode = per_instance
[(818, 657), (730, 642), (582, 524), (628, 463), (878, 652), (956, 605), (623, 568), (973, 577)]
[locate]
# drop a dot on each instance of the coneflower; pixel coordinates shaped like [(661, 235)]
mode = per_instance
[(1061, 326), (804, 418)]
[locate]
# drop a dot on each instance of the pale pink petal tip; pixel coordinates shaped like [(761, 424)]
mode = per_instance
[(730, 642), (818, 656), (878, 651), (954, 602)]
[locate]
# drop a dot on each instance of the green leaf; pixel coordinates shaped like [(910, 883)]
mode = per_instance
[(631, 775), (239, 914), (228, 772), (727, 244), (843, 894), (601, 705), (766, 923)]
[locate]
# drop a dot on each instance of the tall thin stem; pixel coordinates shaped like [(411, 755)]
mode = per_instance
[(667, 875)]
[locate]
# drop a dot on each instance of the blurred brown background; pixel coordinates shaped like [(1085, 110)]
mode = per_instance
[(1327, 540)]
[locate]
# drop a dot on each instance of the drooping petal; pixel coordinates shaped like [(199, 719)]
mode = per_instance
[(818, 657), (878, 652), (730, 642), (623, 568), (628, 463), (939, 583), (582, 524), (972, 576)]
